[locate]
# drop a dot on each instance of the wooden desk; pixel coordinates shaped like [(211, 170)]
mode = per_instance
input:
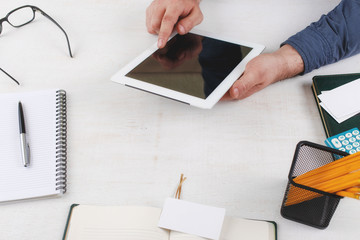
[(129, 147)]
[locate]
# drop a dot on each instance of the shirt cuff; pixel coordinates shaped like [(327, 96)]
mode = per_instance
[(313, 48)]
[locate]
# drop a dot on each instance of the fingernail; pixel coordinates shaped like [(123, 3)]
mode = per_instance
[(181, 29), (160, 43), (236, 93)]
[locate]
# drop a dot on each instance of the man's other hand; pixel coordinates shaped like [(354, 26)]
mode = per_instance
[(163, 16)]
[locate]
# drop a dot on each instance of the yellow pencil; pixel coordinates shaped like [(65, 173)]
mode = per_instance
[(338, 186), (353, 190), (325, 176), (343, 161), (341, 177), (330, 166), (347, 194), (297, 195)]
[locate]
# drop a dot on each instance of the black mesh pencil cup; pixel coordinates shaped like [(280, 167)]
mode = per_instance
[(304, 204)]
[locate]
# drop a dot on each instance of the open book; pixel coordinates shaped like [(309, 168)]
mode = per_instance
[(141, 223)]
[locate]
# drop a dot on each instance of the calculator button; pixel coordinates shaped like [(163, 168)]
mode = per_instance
[(352, 140), (345, 142), (352, 151), (341, 137), (342, 149), (336, 143), (348, 135), (355, 132), (356, 144), (348, 147)]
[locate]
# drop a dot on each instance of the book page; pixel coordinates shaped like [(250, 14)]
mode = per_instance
[(174, 235), (237, 228), (115, 222), (38, 179)]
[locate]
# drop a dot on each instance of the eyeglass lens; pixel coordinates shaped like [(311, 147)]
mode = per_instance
[(21, 16)]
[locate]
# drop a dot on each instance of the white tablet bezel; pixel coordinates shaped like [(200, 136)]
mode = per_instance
[(213, 98)]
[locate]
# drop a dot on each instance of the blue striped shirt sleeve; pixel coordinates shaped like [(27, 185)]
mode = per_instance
[(333, 37)]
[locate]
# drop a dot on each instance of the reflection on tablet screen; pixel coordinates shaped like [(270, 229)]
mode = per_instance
[(190, 64)]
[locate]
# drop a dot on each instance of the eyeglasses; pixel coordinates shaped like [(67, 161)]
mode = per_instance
[(22, 16)]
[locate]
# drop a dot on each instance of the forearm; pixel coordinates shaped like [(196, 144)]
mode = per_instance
[(290, 62), (334, 37)]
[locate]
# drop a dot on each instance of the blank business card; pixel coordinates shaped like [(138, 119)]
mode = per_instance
[(192, 218), (342, 102)]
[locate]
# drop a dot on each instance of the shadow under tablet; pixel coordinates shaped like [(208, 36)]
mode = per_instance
[(190, 64)]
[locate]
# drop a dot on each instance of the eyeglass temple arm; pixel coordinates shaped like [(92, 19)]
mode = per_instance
[(10, 76), (51, 19)]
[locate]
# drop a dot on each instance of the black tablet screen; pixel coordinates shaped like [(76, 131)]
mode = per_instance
[(190, 64)]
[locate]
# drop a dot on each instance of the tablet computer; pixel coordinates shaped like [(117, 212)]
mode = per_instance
[(197, 68)]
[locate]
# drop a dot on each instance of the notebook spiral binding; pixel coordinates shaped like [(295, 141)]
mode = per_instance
[(61, 141)]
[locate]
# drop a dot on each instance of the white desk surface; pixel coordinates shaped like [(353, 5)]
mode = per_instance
[(130, 147)]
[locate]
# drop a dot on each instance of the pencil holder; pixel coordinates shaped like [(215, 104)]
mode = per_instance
[(304, 204)]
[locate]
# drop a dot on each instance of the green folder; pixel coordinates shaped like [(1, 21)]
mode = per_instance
[(329, 82)]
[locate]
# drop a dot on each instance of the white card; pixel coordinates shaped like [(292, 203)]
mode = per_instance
[(339, 120), (192, 218), (344, 100)]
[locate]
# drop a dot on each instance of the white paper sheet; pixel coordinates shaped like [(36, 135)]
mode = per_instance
[(192, 218), (342, 102), (339, 120)]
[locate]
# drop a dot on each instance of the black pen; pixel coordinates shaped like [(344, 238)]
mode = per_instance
[(25, 150)]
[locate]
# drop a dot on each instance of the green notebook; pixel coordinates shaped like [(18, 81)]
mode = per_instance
[(329, 82)]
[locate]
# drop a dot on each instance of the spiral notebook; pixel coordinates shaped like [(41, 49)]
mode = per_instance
[(45, 121)]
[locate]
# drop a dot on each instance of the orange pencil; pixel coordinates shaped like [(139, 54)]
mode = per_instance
[(341, 177), (339, 187), (329, 175), (353, 190), (330, 166), (348, 194)]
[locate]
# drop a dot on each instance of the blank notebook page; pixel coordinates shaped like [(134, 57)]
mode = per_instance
[(39, 179), (119, 222)]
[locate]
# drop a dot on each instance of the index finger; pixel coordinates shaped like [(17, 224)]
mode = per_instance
[(168, 22)]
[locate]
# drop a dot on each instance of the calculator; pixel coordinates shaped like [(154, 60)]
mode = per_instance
[(348, 141)]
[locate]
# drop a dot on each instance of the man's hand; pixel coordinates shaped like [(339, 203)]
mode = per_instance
[(178, 50), (265, 69), (162, 16)]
